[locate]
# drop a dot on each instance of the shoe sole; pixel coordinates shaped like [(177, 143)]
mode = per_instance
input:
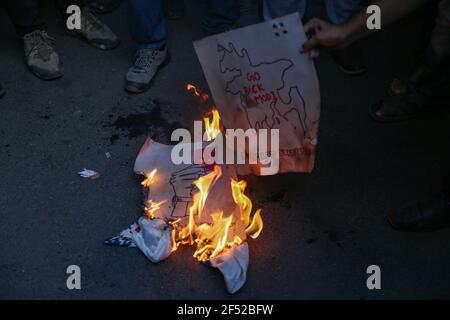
[(92, 43), (46, 77), (133, 89), (438, 111), (352, 73)]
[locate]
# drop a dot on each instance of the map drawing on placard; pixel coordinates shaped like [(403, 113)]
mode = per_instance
[(245, 78)]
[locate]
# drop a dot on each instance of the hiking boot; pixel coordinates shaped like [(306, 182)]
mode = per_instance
[(40, 55), (147, 62), (94, 31)]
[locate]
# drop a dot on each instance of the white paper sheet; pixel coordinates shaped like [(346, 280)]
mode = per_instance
[(258, 79)]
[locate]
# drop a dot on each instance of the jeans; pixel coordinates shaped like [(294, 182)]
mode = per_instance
[(221, 15), (338, 11), (146, 23), (148, 28)]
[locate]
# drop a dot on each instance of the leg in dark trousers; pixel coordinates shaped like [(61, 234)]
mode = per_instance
[(26, 15), (40, 56), (62, 5)]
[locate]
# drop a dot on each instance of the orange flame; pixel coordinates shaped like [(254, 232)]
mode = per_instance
[(245, 205), (212, 126), (255, 228), (151, 207), (150, 178), (197, 93), (211, 238)]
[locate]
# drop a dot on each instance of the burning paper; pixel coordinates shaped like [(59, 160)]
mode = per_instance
[(259, 80), (201, 205)]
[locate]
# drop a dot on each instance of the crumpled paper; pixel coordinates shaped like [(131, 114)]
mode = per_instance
[(233, 264), (174, 183), (153, 238)]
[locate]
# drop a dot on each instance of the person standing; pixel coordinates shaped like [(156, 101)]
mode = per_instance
[(429, 95), (39, 47), (339, 12), (148, 30)]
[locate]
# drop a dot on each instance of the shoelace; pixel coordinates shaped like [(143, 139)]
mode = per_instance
[(92, 22), (42, 43), (145, 58)]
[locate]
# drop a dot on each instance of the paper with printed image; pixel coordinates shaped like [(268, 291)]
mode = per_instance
[(259, 80)]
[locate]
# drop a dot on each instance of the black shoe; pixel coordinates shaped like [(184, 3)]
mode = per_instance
[(428, 215), (349, 61), (94, 31), (412, 105), (2, 91), (41, 56)]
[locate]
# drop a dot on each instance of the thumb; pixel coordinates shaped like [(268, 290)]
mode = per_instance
[(310, 44)]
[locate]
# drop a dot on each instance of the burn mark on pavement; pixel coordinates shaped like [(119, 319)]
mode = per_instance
[(150, 123), (279, 197), (311, 240), (333, 238), (114, 138)]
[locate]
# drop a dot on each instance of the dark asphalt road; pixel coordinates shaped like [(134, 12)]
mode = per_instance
[(321, 230)]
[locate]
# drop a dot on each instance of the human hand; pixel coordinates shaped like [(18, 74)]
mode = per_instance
[(323, 34)]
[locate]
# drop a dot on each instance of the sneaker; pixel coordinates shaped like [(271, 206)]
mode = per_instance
[(2, 91), (40, 55), (95, 32), (147, 62)]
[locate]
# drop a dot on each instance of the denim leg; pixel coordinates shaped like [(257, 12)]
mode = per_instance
[(340, 11), (277, 8), (146, 23), (221, 15)]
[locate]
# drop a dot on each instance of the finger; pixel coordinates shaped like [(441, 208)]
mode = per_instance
[(309, 45), (314, 53), (311, 25)]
